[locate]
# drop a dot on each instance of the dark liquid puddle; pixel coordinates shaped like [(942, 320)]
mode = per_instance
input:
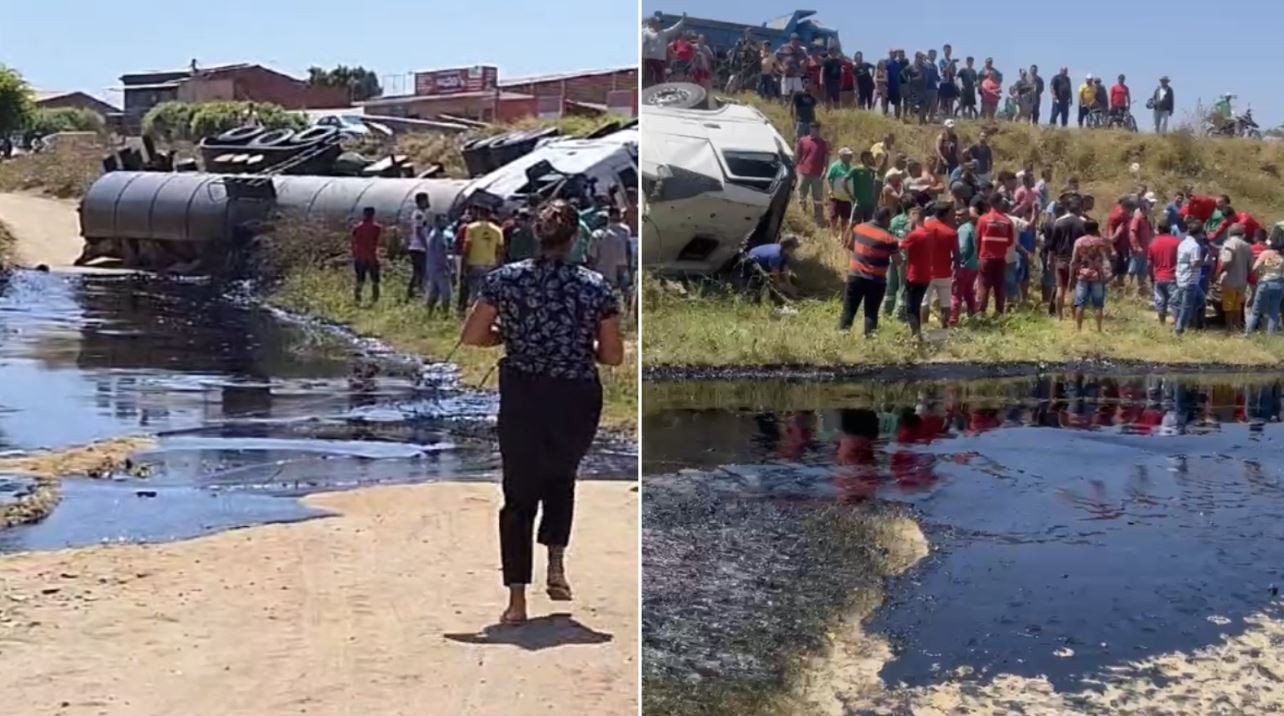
[(1076, 523), (250, 410)]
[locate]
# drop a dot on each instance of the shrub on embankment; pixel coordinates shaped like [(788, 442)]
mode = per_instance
[(64, 172)]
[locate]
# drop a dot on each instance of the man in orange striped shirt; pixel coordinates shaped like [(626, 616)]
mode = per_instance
[(874, 249)]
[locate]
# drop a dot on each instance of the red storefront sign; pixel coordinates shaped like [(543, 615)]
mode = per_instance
[(456, 81)]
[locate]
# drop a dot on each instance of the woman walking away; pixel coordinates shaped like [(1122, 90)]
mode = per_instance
[(1269, 269), (554, 320)]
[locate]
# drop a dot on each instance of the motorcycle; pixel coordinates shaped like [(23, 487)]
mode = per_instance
[(1242, 126)]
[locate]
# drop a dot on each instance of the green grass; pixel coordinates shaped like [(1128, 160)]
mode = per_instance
[(710, 328), (724, 330), (326, 292)]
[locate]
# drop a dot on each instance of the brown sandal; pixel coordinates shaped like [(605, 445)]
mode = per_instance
[(507, 619), (559, 590)]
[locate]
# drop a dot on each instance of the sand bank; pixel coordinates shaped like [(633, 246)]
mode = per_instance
[(382, 609)]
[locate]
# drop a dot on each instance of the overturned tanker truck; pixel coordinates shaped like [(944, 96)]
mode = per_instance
[(185, 221)]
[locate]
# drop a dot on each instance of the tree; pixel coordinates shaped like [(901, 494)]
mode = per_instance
[(362, 84), (17, 105)]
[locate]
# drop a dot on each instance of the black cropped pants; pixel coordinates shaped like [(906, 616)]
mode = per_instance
[(546, 426)]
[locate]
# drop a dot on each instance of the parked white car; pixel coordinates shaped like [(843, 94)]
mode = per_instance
[(350, 124)]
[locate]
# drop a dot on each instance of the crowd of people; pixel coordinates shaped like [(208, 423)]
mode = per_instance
[(923, 240), (927, 87), (449, 260), (930, 87)]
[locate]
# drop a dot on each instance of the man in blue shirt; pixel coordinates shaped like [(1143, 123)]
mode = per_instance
[(895, 64), (767, 266), (1172, 214), (931, 90)]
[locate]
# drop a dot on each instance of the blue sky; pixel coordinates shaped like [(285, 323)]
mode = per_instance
[(87, 44), (1142, 39)]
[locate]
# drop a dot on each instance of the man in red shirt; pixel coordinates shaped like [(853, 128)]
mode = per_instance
[(812, 161), (1161, 258), (1140, 233), (995, 233), (1118, 232), (365, 253), (1120, 99), (945, 257), (917, 247)]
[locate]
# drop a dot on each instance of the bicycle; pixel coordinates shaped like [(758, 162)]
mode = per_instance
[(1120, 120), (1096, 119)]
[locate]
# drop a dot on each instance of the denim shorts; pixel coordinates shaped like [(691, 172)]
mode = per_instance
[(1165, 295), (1137, 266), (1093, 292)]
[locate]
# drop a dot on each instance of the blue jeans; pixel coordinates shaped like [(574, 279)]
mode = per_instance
[(1191, 300), (1166, 294), (1266, 299), (1090, 292)]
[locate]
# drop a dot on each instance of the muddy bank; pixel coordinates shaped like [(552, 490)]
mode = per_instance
[(385, 609), (35, 498), (929, 371), (739, 594)]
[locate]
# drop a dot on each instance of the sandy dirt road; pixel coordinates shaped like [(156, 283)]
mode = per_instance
[(381, 610), (47, 230)]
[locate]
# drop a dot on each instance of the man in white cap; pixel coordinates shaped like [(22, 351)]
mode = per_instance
[(838, 179), (1087, 98)]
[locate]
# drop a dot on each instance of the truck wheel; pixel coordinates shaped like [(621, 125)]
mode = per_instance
[(677, 95), (313, 134), (239, 135), (274, 138)]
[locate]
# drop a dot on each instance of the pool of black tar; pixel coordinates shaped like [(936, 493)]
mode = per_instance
[(1077, 522), (249, 408)]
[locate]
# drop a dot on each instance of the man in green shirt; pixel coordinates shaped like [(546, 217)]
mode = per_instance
[(894, 303), (840, 197), (964, 286), (863, 178)]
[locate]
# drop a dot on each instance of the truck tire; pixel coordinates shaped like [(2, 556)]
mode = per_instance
[(239, 135), (676, 95), (313, 134), (273, 138)]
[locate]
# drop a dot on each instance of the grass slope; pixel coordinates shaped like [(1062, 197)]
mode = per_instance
[(712, 328)]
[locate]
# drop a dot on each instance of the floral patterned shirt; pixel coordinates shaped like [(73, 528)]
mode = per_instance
[(549, 312), (1091, 258)]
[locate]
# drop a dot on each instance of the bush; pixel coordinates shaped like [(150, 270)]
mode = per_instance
[(216, 117), (70, 119), (169, 120), (172, 121)]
